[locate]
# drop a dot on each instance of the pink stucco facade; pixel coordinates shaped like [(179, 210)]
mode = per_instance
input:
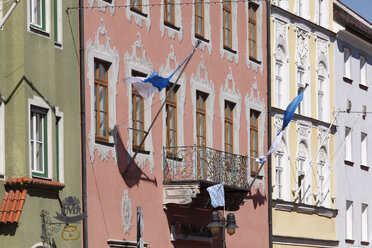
[(130, 41)]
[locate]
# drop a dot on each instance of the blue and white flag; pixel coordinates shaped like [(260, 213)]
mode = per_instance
[(288, 115), (217, 195), (147, 87)]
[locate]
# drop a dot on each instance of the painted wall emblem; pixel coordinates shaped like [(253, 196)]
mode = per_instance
[(70, 232), (70, 210), (126, 208)]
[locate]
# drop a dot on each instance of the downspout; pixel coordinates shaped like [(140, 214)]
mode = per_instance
[(269, 176), (82, 122)]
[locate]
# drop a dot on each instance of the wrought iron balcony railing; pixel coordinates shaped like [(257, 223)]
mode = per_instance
[(199, 163)]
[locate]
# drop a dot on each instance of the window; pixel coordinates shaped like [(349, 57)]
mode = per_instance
[(279, 175), (254, 141), (37, 14), (229, 127), (300, 179), (199, 18), (363, 70), (227, 43), (169, 12), (138, 117), (252, 30), (58, 22), (365, 223), (347, 64), (363, 149), (348, 155), (321, 181), (108, 1), (101, 113), (300, 88), (300, 7), (321, 98), (201, 99), (38, 142), (171, 120), (349, 220), (279, 83), (136, 5), (59, 143)]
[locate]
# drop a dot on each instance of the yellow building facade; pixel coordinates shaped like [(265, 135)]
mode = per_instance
[(303, 182)]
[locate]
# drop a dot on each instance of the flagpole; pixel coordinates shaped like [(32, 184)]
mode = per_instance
[(161, 107)]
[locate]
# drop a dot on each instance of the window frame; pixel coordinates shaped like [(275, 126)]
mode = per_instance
[(254, 8), (173, 104), (363, 70), (136, 7), (229, 121), (197, 5), (36, 110), (279, 77), (348, 144), (135, 129), (349, 219), (321, 96), (203, 113), (58, 22), (2, 140), (300, 75), (254, 167), (42, 10), (301, 184), (279, 168), (166, 5), (364, 223), (97, 84), (363, 149), (228, 10)]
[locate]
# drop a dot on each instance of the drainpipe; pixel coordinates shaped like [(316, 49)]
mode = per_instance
[(269, 176), (82, 122)]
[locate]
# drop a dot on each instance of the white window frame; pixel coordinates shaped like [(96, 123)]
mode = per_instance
[(348, 144), (38, 102), (321, 98), (279, 174), (59, 25), (349, 220), (363, 70), (302, 8), (207, 43), (2, 141), (301, 110), (363, 149), (279, 101), (365, 224), (34, 27), (61, 148), (347, 63), (139, 18)]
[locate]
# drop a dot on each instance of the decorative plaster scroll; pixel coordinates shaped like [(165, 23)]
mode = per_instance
[(106, 53), (141, 64), (254, 102), (138, 18), (180, 194), (322, 47), (304, 130), (102, 5), (198, 83), (177, 19), (126, 211), (302, 48), (281, 34), (232, 95), (181, 95)]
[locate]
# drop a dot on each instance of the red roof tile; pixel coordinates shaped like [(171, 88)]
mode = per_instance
[(14, 199)]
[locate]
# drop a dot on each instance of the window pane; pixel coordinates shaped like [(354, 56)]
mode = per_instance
[(39, 128), (102, 124), (39, 156), (102, 98)]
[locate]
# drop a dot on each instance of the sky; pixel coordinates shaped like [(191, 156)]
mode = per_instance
[(362, 7)]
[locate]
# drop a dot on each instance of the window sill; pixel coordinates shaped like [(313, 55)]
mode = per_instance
[(258, 177), (39, 31), (138, 12), (199, 37), (364, 242), (349, 163), (135, 149), (347, 80), (363, 87), (364, 167), (229, 49), (104, 142), (58, 45), (172, 26), (254, 60), (349, 241)]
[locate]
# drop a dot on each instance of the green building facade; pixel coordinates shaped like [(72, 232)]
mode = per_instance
[(39, 124)]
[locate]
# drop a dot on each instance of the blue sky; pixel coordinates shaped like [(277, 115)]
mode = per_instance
[(362, 7)]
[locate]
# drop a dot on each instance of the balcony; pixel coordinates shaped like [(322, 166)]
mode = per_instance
[(189, 170)]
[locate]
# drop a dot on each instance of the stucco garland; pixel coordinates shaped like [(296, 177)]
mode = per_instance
[(138, 19), (102, 5)]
